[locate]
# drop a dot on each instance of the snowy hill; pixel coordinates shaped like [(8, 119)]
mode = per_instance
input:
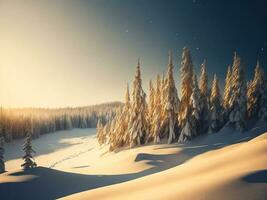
[(225, 165)]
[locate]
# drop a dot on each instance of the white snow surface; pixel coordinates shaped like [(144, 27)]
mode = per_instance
[(73, 166)]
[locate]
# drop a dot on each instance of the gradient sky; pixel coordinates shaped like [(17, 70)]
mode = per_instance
[(75, 53)]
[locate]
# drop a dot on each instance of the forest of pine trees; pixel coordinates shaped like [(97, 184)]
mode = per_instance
[(14, 122), (200, 110)]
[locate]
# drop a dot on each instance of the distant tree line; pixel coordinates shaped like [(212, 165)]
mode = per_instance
[(14, 122), (200, 110)]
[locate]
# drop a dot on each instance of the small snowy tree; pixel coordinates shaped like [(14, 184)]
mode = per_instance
[(2, 151), (215, 106), (186, 85), (138, 126), (27, 148), (238, 100), (170, 104), (257, 95), (204, 102)]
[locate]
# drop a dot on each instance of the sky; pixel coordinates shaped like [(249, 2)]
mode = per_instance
[(78, 53)]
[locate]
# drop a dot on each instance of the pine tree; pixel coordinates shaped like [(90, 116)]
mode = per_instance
[(151, 106), (238, 101), (2, 151), (27, 148), (191, 126), (138, 126), (100, 133), (120, 136), (227, 93), (204, 102), (186, 85), (257, 95), (170, 104), (156, 116), (195, 103), (215, 106)]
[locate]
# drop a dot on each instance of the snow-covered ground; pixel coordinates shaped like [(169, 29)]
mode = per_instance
[(225, 165)]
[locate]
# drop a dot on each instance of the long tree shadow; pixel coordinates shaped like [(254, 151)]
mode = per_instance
[(256, 177)]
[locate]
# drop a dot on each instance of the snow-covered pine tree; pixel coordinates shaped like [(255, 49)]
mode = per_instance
[(100, 133), (126, 116), (189, 128), (170, 105), (227, 94), (191, 125), (151, 107), (2, 151), (257, 95), (28, 150), (215, 107), (138, 126), (238, 100), (151, 99), (120, 136), (156, 117), (204, 102), (195, 103), (186, 86)]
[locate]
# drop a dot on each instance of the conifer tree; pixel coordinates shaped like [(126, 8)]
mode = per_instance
[(204, 102), (28, 150), (100, 132), (171, 104), (215, 106), (156, 117), (138, 126), (151, 99), (2, 151), (238, 101), (195, 103), (191, 126), (227, 93), (257, 95), (186, 85)]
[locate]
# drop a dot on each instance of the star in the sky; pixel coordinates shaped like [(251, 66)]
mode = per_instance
[(126, 30)]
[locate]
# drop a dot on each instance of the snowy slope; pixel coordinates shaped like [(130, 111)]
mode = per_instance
[(224, 165)]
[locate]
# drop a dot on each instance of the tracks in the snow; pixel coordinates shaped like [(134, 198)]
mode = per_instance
[(69, 157)]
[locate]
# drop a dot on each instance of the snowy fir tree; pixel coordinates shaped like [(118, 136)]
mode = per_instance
[(28, 150), (189, 130), (156, 116), (170, 105), (186, 85), (138, 125), (100, 133), (257, 95), (204, 102), (2, 151), (215, 107), (191, 127), (120, 138), (238, 100), (227, 93)]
